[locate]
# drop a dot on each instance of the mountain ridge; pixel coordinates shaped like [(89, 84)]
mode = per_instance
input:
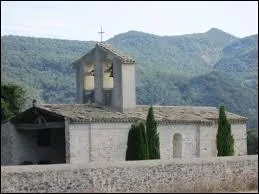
[(169, 70), (133, 31)]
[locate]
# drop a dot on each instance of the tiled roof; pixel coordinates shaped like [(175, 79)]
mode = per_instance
[(86, 113), (119, 54)]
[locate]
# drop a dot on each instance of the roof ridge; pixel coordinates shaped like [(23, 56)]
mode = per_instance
[(125, 59), (168, 106)]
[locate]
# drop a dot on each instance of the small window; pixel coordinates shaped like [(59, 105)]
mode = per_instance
[(44, 137)]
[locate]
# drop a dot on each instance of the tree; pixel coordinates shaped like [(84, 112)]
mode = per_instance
[(145, 142), (225, 140), (5, 113), (252, 141), (152, 135), (12, 100), (137, 145)]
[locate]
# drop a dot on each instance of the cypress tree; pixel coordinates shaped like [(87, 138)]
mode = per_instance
[(152, 135), (130, 143), (225, 140), (137, 143), (144, 147)]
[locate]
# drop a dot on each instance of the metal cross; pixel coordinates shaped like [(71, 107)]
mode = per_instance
[(101, 34)]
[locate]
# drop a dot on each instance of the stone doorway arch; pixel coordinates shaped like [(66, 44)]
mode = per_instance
[(177, 145)]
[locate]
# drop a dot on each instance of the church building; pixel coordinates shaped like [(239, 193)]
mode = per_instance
[(96, 128)]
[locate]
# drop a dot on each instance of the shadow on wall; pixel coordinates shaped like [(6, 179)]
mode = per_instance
[(40, 162), (27, 163)]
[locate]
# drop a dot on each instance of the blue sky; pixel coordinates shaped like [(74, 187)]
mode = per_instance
[(79, 20)]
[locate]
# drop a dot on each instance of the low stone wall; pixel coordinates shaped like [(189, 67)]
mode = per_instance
[(237, 173)]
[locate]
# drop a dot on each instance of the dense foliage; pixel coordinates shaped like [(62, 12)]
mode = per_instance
[(152, 135), (12, 100), (225, 140), (145, 141), (45, 65), (252, 141), (203, 69), (137, 147)]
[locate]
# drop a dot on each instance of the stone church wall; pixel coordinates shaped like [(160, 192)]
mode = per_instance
[(128, 87), (207, 136), (189, 136), (218, 174), (239, 134), (108, 141), (208, 139), (79, 140)]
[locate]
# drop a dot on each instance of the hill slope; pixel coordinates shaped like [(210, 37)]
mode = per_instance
[(44, 64), (232, 82), (171, 70), (196, 53), (240, 59)]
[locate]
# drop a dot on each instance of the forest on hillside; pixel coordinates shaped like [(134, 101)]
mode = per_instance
[(205, 69)]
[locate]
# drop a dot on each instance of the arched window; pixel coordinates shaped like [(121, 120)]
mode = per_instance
[(177, 145)]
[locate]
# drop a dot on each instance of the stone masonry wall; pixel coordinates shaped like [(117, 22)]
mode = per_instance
[(239, 134), (128, 87), (208, 145), (79, 143), (189, 140), (208, 140), (238, 173), (108, 141)]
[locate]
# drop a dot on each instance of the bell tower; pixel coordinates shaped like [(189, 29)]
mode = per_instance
[(106, 77)]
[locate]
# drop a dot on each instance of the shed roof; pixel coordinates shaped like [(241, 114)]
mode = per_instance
[(85, 113)]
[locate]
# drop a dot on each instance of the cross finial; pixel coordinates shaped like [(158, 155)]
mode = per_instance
[(34, 102), (101, 34)]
